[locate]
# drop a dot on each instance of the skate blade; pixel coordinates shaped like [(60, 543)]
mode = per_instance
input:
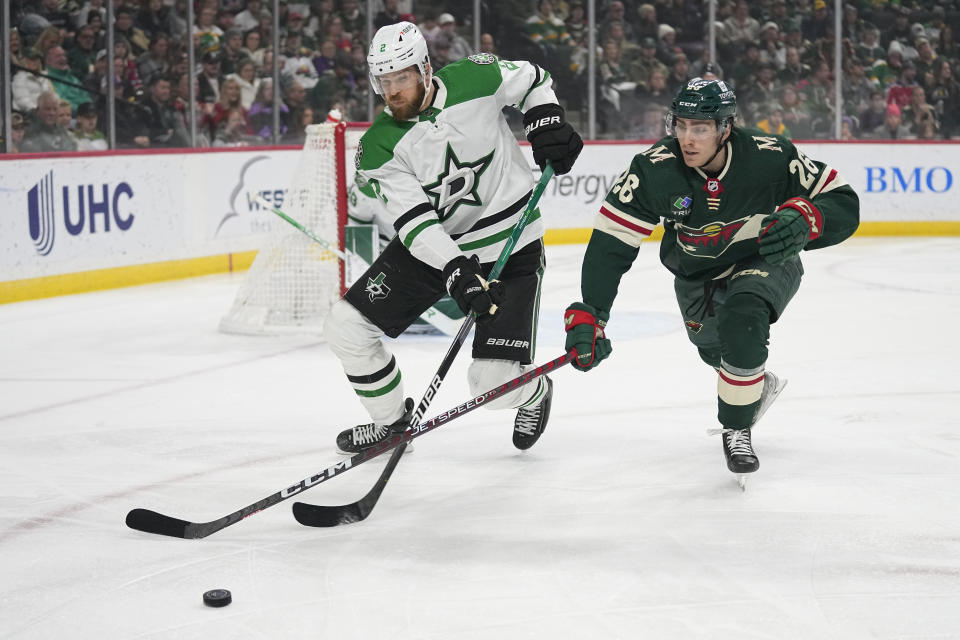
[(409, 449), (742, 481)]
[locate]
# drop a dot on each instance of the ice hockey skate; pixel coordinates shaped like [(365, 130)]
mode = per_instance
[(363, 436), (737, 446), (530, 423)]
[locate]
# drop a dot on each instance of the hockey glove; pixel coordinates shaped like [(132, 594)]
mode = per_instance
[(788, 230), (584, 325), (470, 290), (553, 140)]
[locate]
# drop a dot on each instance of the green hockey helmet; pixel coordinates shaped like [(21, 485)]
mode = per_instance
[(701, 99)]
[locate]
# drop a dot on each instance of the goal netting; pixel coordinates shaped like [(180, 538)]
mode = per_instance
[(293, 281)]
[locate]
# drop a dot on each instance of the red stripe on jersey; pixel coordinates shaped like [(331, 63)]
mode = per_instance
[(739, 383), (623, 222)]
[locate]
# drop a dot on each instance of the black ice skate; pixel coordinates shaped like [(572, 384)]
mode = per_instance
[(530, 423), (741, 458), (363, 436)]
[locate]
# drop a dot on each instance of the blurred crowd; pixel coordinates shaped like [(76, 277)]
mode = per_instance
[(897, 61)]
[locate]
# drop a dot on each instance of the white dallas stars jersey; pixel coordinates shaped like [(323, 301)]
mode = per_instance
[(453, 180)]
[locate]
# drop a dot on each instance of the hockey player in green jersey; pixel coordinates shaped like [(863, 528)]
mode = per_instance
[(737, 206), (453, 181)]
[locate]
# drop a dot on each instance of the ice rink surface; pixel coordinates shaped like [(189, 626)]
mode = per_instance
[(622, 522)]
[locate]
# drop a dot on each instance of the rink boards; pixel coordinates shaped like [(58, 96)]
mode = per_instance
[(82, 222)]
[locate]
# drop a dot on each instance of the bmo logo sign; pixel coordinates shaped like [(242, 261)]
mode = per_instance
[(909, 179), (84, 208)]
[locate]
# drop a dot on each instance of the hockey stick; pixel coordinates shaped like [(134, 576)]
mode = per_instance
[(331, 516), (153, 522), (431, 316)]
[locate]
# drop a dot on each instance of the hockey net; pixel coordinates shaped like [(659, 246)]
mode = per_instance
[(293, 281)]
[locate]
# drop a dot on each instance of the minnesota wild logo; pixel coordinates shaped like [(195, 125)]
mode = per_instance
[(376, 289), (458, 184)]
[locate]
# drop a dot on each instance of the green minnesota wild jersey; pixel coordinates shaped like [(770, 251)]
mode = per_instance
[(710, 222), (453, 180)]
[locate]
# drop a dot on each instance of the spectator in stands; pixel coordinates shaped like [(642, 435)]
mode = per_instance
[(772, 121), (233, 131), (629, 51), (50, 11), (358, 59), (247, 80), (89, 8), (944, 95), (180, 89), (295, 96), (323, 61), (892, 128), (88, 137), (231, 51), (321, 12), (17, 127), (655, 92), (793, 37), (853, 26), (679, 73), (129, 74), (154, 60), (856, 87), (771, 49), (946, 45), (745, 69), (67, 85), (27, 85), (459, 48), (206, 34), (918, 114), (211, 78), (614, 81), (796, 115), (847, 128), (666, 44), (16, 47), (815, 26), (65, 115), (926, 57), (153, 19), (46, 134), (249, 18), (741, 28), (646, 25), (251, 45), (487, 44), (297, 63), (354, 20), (261, 113), (301, 118), (900, 91), (875, 114), (616, 12), (295, 25), (639, 69), (230, 99), (224, 20), (868, 50), (576, 25), (758, 95), (139, 42), (49, 38), (900, 29), (388, 15), (160, 118), (440, 52), (83, 53)]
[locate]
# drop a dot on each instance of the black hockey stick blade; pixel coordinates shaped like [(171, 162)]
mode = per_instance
[(319, 516), (316, 515), (153, 522)]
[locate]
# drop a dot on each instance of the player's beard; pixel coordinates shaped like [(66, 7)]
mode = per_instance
[(409, 109)]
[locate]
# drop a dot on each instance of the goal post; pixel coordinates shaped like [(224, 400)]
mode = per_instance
[(293, 282)]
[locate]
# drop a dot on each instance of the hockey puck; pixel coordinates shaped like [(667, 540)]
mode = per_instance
[(217, 598)]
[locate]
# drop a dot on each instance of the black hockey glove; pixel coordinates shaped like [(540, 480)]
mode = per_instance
[(552, 138), (470, 290), (788, 230)]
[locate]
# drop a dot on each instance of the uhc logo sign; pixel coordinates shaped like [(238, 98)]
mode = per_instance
[(80, 206)]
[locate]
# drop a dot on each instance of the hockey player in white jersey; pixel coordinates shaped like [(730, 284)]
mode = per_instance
[(454, 182)]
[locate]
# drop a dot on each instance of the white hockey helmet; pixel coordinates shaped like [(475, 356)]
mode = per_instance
[(395, 47)]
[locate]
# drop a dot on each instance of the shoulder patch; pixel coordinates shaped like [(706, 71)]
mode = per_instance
[(482, 58)]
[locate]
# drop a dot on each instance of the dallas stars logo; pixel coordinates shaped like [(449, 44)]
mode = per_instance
[(376, 289), (457, 184)]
